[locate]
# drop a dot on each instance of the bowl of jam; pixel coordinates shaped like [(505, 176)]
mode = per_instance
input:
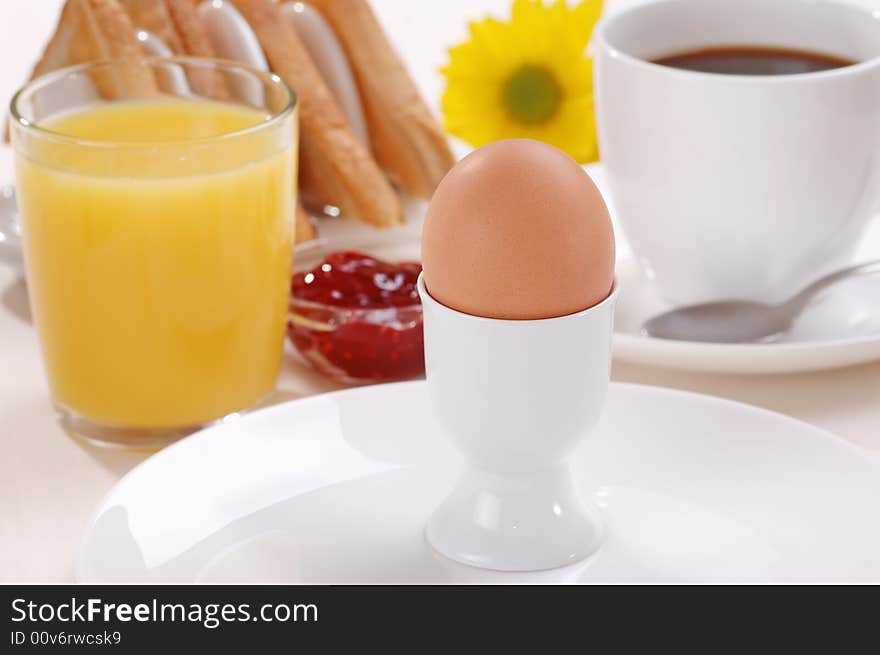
[(355, 317)]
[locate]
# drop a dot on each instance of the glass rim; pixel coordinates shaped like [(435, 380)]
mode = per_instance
[(205, 62)]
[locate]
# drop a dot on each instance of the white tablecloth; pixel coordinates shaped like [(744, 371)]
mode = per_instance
[(49, 483)]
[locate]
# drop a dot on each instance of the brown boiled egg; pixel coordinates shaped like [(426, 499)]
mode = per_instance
[(518, 230)]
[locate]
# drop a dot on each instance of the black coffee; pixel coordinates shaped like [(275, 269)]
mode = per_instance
[(745, 60)]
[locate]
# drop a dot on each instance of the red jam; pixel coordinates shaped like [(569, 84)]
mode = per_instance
[(358, 318)]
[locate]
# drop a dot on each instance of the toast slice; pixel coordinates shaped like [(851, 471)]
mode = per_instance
[(335, 167), (153, 16), (406, 139), (305, 229), (90, 30), (179, 26)]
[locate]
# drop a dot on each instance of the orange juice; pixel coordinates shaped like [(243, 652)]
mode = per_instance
[(159, 266)]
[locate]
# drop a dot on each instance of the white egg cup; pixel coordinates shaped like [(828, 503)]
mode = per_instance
[(516, 397)]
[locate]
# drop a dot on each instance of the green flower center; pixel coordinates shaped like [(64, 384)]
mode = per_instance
[(532, 94)]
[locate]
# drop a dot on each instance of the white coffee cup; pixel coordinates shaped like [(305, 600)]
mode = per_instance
[(734, 186)]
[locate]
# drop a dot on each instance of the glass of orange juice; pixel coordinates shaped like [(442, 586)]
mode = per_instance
[(157, 202)]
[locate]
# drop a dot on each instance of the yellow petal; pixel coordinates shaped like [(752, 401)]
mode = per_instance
[(551, 36)]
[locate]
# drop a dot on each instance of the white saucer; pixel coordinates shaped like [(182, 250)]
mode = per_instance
[(841, 327), (337, 489)]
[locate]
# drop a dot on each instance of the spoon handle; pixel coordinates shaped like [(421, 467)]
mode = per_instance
[(10, 237), (799, 301)]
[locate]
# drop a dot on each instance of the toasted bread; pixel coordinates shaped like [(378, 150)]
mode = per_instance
[(90, 30), (406, 139), (305, 229), (178, 25), (153, 16), (336, 168)]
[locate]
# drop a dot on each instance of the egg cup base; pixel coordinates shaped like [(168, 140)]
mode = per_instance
[(518, 522)]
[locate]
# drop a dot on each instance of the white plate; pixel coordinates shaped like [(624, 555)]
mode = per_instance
[(337, 489)]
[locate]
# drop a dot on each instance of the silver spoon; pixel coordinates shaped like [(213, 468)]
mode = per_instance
[(743, 321), (10, 235)]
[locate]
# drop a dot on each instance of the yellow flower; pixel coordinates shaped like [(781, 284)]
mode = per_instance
[(529, 77)]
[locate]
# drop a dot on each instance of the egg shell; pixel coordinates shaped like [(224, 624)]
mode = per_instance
[(518, 230)]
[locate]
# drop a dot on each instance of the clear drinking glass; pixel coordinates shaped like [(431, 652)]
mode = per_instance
[(157, 203)]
